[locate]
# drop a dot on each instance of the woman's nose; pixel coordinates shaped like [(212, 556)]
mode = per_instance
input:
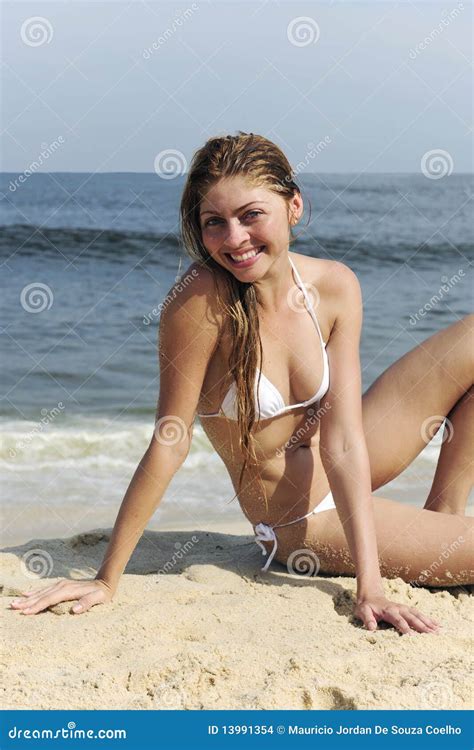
[(236, 235)]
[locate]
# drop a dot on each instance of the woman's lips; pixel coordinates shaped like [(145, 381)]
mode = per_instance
[(248, 262)]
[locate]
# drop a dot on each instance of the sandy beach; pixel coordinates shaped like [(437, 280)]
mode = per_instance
[(143, 139), (195, 624)]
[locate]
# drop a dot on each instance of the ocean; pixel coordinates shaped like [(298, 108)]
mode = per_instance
[(87, 257)]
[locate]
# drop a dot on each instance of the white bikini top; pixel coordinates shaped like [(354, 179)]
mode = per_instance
[(268, 396)]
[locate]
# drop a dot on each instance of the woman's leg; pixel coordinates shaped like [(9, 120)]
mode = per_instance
[(414, 544), (454, 474), (402, 410), (408, 402)]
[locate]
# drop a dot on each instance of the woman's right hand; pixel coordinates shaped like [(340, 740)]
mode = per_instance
[(87, 592)]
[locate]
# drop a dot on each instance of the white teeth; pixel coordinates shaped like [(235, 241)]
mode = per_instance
[(250, 254)]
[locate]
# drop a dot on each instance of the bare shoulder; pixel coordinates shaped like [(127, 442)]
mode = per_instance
[(190, 329), (338, 288), (332, 276), (192, 300), (189, 334)]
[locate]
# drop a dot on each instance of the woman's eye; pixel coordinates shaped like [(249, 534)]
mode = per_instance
[(248, 214)]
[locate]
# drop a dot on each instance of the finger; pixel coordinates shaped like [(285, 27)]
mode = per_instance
[(424, 618), (368, 617), (28, 601), (64, 594), (88, 601), (417, 624), (29, 598), (394, 618), (37, 592), (433, 628)]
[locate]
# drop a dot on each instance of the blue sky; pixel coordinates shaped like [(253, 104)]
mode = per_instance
[(379, 83)]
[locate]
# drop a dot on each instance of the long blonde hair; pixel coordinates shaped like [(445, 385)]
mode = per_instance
[(262, 163)]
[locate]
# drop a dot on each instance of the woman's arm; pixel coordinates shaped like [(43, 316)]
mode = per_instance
[(342, 441), (188, 335), (345, 456), (152, 476)]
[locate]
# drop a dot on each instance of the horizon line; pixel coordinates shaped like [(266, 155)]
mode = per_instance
[(183, 174)]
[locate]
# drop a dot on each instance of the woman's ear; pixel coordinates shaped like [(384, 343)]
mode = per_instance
[(296, 208)]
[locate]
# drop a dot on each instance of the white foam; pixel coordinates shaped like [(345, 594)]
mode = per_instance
[(91, 460), (93, 442)]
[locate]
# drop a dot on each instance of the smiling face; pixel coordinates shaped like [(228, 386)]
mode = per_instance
[(245, 227)]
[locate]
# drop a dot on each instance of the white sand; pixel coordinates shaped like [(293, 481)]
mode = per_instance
[(214, 632)]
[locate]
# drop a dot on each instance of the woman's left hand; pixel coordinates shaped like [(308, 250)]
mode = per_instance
[(372, 609)]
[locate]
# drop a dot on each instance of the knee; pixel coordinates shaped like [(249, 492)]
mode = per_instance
[(467, 325), (464, 342)]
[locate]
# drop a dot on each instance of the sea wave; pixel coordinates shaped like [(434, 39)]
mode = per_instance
[(89, 443), (113, 245), (88, 463), (101, 442)]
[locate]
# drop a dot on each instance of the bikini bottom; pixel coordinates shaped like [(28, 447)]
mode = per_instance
[(264, 532)]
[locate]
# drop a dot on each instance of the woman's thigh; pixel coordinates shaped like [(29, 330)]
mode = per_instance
[(408, 401), (414, 544)]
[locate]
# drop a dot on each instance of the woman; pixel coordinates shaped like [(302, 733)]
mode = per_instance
[(278, 390)]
